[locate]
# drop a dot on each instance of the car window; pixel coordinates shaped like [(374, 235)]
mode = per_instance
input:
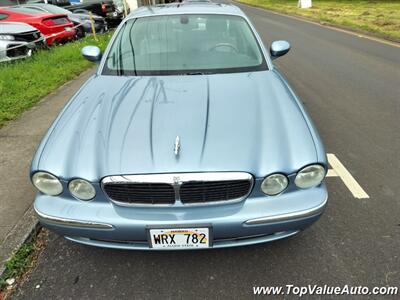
[(3, 16), (118, 3), (184, 44)]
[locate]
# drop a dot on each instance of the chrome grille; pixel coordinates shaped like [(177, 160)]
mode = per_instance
[(183, 188), (210, 191), (141, 193), (27, 36)]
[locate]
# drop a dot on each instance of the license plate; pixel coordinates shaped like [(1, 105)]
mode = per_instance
[(68, 29), (180, 238)]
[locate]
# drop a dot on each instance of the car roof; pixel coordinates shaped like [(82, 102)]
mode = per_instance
[(188, 7), (34, 4)]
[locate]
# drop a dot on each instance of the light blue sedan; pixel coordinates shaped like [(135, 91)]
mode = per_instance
[(187, 137)]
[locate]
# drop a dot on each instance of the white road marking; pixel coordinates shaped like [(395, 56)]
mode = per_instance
[(331, 173), (339, 170)]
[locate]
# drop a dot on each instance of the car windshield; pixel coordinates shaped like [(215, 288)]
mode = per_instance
[(119, 2), (184, 44)]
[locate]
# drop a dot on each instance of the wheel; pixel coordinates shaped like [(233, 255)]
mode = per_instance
[(80, 32)]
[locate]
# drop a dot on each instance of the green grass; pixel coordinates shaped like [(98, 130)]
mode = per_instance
[(24, 82), (18, 264), (380, 17)]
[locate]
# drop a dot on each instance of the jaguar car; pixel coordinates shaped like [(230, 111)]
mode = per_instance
[(186, 137)]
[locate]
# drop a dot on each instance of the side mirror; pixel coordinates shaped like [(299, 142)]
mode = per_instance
[(91, 53), (279, 48)]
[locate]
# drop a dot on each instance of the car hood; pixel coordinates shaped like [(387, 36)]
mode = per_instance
[(227, 122), (15, 27)]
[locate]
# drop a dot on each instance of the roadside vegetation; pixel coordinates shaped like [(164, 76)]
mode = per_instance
[(21, 263), (380, 17), (17, 265), (24, 82)]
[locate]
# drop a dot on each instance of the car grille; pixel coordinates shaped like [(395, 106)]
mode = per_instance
[(99, 21), (210, 191), (16, 50), (27, 36), (186, 188), (141, 193)]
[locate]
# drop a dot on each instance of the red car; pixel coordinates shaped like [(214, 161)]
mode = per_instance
[(55, 27)]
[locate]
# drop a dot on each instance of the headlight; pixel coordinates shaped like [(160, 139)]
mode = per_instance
[(310, 176), (6, 37), (274, 184), (82, 189), (46, 183)]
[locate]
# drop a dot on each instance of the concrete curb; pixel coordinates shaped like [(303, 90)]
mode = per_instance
[(26, 228)]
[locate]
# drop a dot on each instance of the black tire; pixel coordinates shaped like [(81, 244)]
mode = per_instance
[(80, 32)]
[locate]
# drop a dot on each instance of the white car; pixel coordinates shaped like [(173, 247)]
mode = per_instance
[(18, 40)]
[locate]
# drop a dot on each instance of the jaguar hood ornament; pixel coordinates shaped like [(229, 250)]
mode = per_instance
[(177, 146)]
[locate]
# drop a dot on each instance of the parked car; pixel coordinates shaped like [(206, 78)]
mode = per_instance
[(7, 2), (119, 6), (186, 140), (55, 27), (103, 8), (18, 40), (81, 20), (53, 2)]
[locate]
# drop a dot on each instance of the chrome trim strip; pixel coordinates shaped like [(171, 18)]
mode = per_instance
[(176, 179), (217, 244), (172, 178), (289, 216), (69, 222)]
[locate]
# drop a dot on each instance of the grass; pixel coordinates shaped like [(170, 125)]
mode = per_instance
[(380, 17), (24, 82), (18, 264), (22, 262)]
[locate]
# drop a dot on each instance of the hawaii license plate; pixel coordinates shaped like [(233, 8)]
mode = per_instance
[(180, 238)]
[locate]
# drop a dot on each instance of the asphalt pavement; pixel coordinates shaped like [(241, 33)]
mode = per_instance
[(351, 87)]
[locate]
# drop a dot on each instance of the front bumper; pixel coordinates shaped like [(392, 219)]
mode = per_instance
[(59, 36), (254, 220), (12, 50)]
